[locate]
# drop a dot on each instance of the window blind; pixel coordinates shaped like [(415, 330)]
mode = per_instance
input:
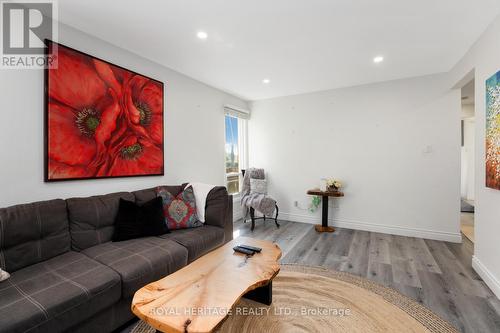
[(237, 112)]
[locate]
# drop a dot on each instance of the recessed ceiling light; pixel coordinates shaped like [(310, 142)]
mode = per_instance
[(266, 81), (202, 35), (378, 59)]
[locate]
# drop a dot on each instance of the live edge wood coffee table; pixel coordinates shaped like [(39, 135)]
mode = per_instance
[(324, 227), (198, 297)]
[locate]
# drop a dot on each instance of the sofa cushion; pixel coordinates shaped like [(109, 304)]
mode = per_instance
[(92, 219), (52, 296), (198, 241), (32, 233), (140, 261), (143, 196)]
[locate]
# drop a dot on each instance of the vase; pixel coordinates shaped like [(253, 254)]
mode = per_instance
[(332, 189), (322, 185)]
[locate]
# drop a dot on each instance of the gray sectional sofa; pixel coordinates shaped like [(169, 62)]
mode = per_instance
[(67, 275)]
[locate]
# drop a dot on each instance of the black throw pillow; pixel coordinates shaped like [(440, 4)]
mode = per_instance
[(152, 218), (133, 221)]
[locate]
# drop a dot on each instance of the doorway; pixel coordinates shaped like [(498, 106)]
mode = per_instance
[(467, 161)]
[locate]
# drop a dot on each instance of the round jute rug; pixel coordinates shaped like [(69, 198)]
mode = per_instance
[(316, 299)]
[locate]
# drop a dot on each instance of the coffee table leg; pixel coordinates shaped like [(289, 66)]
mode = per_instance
[(262, 294)]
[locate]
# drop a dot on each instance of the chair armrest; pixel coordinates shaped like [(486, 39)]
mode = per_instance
[(219, 210)]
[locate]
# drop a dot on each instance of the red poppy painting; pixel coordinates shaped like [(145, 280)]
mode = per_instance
[(101, 120)]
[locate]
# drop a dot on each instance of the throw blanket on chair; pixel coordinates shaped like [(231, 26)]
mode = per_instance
[(260, 202)]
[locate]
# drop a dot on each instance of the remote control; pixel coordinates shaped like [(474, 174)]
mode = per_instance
[(251, 248), (243, 250)]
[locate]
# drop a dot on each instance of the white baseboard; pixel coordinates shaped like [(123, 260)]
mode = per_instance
[(358, 225), (485, 274)]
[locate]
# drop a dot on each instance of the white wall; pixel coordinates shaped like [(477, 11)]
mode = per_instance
[(468, 159), (484, 59), (395, 145), (194, 129)]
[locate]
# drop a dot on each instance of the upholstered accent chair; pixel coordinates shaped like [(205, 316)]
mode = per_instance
[(254, 197)]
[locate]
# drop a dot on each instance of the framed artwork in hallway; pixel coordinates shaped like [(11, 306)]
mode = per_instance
[(101, 120), (493, 131)]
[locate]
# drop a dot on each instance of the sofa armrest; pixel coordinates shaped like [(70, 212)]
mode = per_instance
[(228, 227), (219, 210)]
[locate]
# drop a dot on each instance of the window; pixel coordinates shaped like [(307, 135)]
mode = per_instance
[(232, 156), (235, 147)]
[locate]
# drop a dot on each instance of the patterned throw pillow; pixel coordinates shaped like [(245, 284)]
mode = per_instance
[(258, 186), (180, 210)]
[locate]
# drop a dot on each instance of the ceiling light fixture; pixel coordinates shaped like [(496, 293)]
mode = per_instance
[(202, 35), (266, 81), (378, 59)]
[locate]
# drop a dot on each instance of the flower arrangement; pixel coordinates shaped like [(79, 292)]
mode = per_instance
[(333, 184)]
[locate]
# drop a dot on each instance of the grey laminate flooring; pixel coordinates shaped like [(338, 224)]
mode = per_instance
[(435, 273)]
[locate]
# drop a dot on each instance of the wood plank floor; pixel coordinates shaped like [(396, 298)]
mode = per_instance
[(434, 273), (467, 225)]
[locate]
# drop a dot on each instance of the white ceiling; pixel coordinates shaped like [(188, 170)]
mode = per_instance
[(300, 45)]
